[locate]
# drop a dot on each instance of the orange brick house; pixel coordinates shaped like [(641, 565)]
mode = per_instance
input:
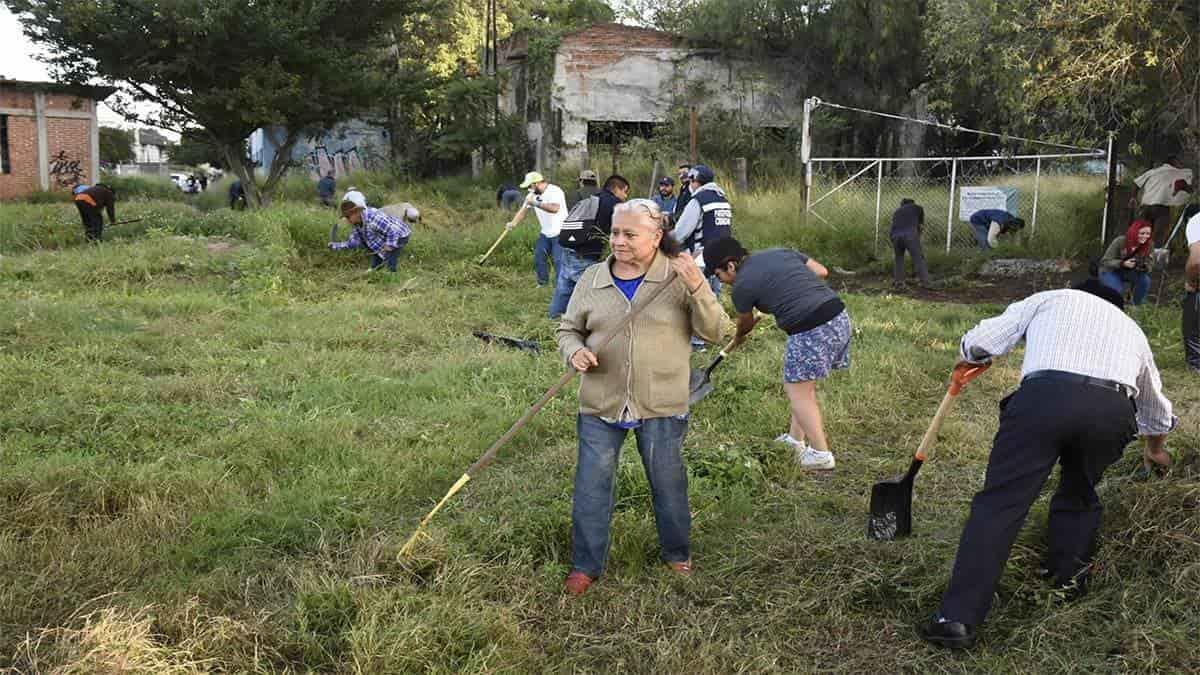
[(49, 136)]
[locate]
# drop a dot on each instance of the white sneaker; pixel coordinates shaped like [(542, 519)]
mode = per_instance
[(787, 438), (810, 458)]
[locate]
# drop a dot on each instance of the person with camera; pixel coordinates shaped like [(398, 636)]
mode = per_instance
[(1128, 260)]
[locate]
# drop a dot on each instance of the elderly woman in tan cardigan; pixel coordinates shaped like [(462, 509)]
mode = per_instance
[(638, 381)]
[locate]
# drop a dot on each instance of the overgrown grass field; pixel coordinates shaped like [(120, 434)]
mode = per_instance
[(216, 435)]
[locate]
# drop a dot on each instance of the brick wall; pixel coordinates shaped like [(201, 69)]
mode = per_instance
[(607, 43), (22, 153), (70, 144), (68, 141)]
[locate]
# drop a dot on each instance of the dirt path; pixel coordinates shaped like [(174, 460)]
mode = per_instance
[(972, 289)]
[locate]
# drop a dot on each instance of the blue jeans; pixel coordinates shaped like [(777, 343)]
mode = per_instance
[(659, 440), (545, 249), (571, 266), (390, 258), (1117, 279), (511, 199), (981, 235)]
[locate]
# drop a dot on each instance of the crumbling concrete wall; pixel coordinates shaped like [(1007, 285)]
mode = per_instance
[(617, 73)]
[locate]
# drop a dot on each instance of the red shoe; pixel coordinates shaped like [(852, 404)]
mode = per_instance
[(683, 569), (577, 583)]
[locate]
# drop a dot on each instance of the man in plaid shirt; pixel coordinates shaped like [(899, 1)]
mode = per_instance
[(384, 235)]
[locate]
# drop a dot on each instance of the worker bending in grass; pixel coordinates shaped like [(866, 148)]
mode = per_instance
[(1088, 387), (789, 285), (638, 382), (384, 235), (92, 203)]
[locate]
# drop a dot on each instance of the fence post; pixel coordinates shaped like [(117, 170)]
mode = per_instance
[(806, 160), (654, 178), (878, 198), (743, 184), (1037, 184), (950, 210), (584, 160), (1108, 189), (693, 131)]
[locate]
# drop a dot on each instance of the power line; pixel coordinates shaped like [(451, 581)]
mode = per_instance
[(955, 127)]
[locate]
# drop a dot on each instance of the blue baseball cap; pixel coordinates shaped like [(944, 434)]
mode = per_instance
[(701, 174)]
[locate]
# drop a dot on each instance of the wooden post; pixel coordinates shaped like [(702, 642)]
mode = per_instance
[(584, 161), (743, 182), (694, 125), (616, 151), (654, 178), (476, 164)]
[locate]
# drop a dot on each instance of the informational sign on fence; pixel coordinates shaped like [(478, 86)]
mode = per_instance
[(972, 199)]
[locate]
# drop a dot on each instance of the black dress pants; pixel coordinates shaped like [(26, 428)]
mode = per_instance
[(912, 244), (93, 221), (1083, 428), (1191, 330)]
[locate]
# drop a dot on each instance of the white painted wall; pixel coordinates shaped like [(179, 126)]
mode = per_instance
[(643, 85)]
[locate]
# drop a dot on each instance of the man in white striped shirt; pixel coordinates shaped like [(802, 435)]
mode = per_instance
[(1088, 387)]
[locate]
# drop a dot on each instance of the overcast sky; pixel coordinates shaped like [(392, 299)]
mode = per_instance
[(17, 62)]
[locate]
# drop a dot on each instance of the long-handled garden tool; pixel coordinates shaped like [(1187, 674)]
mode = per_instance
[(891, 500), (700, 382), (511, 224), (483, 462)]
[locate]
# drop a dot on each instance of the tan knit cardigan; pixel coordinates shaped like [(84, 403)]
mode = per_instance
[(645, 367)]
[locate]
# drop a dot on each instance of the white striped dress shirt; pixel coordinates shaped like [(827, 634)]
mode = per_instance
[(1080, 333)]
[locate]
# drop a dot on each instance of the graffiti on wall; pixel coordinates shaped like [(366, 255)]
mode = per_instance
[(340, 160), (64, 171)]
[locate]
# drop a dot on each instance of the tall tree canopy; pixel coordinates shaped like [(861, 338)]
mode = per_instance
[(116, 145), (227, 66)]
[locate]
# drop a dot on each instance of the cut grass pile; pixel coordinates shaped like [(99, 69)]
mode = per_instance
[(216, 435)]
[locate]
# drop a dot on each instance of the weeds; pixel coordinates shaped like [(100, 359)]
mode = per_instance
[(216, 434)]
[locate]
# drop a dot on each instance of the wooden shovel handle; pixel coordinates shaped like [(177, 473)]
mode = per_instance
[(963, 373), (511, 224)]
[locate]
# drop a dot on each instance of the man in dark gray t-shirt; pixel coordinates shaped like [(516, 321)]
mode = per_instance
[(790, 285)]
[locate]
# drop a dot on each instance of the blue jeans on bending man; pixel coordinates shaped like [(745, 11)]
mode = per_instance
[(659, 441)]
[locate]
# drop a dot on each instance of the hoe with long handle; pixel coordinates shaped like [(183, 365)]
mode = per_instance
[(483, 462), (511, 224)]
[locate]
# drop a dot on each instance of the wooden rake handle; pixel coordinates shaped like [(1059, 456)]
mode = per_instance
[(963, 373), (511, 224)]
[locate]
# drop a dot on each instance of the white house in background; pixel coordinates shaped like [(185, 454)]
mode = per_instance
[(149, 146)]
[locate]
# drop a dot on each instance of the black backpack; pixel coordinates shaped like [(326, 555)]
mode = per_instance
[(579, 229)]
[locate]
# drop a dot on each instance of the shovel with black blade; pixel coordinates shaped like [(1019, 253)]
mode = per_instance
[(891, 500), (700, 382)]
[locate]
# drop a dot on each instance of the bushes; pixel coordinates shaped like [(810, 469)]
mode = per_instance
[(144, 186)]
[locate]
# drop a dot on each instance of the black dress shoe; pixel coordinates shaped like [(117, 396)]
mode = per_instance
[(952, 634)]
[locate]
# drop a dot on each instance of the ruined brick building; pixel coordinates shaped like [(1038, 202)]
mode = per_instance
[(49, 136), (612, 76)]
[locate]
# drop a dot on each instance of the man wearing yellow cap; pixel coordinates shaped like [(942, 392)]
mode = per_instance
[(549, 203)]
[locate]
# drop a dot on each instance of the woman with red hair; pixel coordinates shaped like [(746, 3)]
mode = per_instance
[(1128, 259)]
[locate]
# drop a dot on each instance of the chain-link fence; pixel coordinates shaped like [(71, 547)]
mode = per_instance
[(1051, 193)]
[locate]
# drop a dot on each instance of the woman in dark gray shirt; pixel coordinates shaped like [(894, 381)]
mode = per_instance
[(789, 285)]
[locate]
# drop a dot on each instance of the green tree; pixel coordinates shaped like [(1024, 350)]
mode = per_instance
[(1097, 65), (228, 66), (116, 145), (195, 148)]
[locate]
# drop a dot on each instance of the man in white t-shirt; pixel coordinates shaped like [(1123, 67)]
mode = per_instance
[(1160, 189), (1191, 301), (549, 203)]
